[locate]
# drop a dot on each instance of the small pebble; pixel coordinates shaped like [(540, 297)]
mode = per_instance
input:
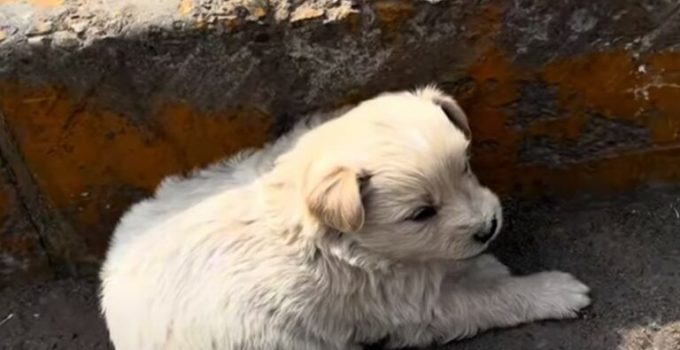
[(65, 39), (42, 28), (80, 26), (37, 40), (6, 319)]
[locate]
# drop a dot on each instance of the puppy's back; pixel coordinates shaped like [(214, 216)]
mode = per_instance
[(169, 249)]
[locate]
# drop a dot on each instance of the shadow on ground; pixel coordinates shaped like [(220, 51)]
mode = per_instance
[(626, 247)]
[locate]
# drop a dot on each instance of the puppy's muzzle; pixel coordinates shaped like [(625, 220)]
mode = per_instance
[(487, 232)]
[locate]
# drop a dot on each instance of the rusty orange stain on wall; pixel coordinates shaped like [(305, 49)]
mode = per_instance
[(617, 173), (485, 27), (92, 162), (496, 86), (65, 141), (613, 85), (604, 82), (608, 84), (203, 138), (663, 92)]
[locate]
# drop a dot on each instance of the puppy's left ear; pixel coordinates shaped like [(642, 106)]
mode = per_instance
[(450, 108), (455, 114), (334, 197)]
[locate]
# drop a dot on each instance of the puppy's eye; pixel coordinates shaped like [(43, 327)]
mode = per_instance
[(423, 213)]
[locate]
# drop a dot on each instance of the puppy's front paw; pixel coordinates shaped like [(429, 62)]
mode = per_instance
[(558, 294)]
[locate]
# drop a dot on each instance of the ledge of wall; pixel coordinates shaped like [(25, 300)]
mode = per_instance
[(100, 100)]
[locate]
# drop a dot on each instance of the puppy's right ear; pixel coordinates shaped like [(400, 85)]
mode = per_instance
[(334, 198)]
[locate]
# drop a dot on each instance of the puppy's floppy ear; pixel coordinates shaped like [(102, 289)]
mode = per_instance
[(450, 108), (334, 197), (455, 114)]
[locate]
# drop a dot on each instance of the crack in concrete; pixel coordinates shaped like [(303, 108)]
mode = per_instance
[(58, 240), (646, 42)]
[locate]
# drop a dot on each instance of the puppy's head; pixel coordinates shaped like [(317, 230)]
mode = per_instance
[(393, 175)]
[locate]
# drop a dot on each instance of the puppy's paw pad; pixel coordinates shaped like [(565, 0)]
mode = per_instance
[(560, 294)]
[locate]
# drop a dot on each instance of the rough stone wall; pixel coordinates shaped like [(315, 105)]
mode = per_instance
[(101, 99)]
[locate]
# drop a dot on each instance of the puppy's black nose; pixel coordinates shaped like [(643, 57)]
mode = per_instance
[(485, 234)]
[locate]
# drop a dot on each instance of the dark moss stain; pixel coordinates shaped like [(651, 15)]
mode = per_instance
[(599, 137), (537, 101)]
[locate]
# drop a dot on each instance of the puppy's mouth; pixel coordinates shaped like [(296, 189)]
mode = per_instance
[(478, 251)]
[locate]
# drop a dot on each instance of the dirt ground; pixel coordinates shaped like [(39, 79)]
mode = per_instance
[(626, 247)]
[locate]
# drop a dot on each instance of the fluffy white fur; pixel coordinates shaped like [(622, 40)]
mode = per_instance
[(323, 241)]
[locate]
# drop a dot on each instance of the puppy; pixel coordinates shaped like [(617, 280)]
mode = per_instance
[(354, 228)]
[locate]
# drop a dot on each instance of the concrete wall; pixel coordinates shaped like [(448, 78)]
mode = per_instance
[(100, 100)]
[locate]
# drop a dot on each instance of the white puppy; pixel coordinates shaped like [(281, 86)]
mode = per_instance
[(367, 226)]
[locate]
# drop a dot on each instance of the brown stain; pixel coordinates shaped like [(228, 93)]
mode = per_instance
[(179, 138), (82, 154), (494, 86), (4, 202), (485, 27), (353, 22), (611, 85), (92, 162), (496, 83), (616, 173), (233, 24), (664, 96), (204, 138), (66, 142), (604, 82), (392, 14)]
